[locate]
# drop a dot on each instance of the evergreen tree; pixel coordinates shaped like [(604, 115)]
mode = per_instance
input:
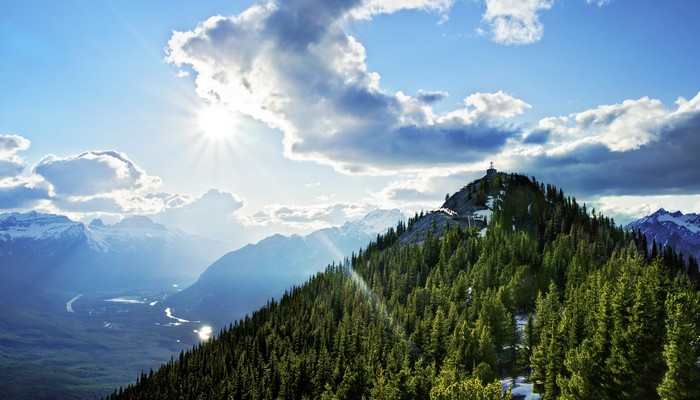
[(682, 347)]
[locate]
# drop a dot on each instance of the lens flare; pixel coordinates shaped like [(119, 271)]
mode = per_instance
[(204, 332)]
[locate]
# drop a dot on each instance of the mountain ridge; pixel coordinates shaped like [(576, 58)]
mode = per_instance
[(436, 317), (675, 229), (245, 279), (53, 252)]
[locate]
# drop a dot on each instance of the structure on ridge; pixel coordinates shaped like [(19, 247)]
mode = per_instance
[(491, 171)]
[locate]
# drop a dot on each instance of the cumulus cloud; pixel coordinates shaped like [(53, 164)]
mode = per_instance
[(291, 65), (636, 147), (514, 22), (213, 214), (16, 191), (93, 173), (93, 182), (12, 165), (10, 144), (481, 107)]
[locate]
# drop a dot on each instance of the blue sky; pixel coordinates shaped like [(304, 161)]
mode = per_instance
[(292, 115)]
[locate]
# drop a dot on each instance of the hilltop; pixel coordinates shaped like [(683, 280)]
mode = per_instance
[(436, 309)]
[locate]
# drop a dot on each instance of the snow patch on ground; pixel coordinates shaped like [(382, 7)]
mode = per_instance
[(520, 387)]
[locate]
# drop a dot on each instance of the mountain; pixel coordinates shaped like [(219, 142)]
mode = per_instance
[(243, 280), (546, 291), (680, 232), (52, 252)]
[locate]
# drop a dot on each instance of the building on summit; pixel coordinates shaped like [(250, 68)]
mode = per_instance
[(491, 171)]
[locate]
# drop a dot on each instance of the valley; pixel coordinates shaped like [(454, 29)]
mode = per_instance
[(83, 348)]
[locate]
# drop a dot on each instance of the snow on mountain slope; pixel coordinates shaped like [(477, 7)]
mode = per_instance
[(377, 221), (34, 225), (682, 232), (52, 251)]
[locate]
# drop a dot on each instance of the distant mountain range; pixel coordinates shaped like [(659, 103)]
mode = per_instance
[(681, 232), (53, 253), (243, 280)]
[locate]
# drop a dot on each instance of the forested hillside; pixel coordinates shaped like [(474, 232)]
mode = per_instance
[(605, 319)]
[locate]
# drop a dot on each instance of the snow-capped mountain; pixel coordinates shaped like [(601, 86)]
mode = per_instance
[(52, 252), (682, 232), (377, 221), (35, 226), (245, 279)]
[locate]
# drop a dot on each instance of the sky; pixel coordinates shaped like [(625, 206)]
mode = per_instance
[(240, 119)]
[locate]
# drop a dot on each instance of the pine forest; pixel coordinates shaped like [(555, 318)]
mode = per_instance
[(549, 290)]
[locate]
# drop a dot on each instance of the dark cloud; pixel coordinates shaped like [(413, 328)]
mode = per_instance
[(431, 97), (668, 165), (11, 167), (539, 136), (19, 194)]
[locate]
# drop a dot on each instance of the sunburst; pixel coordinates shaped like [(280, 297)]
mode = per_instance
[(216, 123)]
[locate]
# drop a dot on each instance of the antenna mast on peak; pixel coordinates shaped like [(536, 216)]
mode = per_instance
[(491, 171)]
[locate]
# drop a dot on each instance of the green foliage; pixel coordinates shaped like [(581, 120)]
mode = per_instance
[(469, 389), (437, 319), (682, 347)]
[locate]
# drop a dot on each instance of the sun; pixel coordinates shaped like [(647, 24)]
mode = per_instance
[(216, 123)]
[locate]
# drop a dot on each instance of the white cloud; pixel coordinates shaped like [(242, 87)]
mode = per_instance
[(599, 3), (12, 165), (114, 203), (10, 144), (214, 214), (626, 126), (497, 104), (620, 127), (16, 191), (308, 218), (93, 182), (485, 107), (93, 173), (514, 22), (292, 66), (374, 7)]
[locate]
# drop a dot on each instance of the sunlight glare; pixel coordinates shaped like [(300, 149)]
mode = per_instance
[(216, 123), (204, 332)]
